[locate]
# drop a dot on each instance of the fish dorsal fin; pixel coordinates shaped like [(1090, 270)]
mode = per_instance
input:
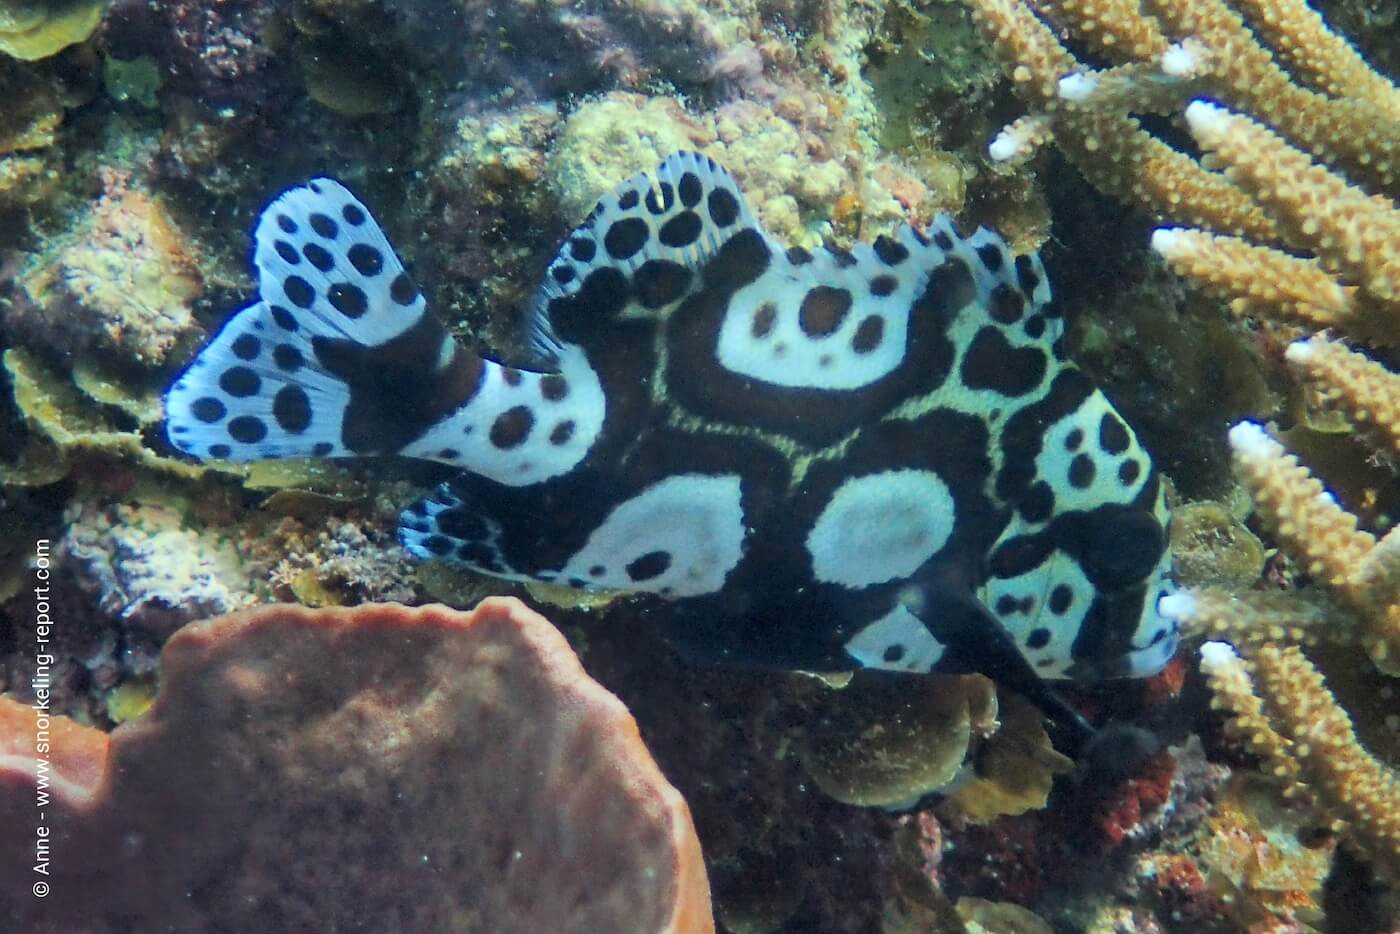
[(656, 228)]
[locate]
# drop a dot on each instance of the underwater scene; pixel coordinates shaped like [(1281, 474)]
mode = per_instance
[(740, 466)]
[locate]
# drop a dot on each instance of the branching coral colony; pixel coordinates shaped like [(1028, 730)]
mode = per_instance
[(1288, 216)]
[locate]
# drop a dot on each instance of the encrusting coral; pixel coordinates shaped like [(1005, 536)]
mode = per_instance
[(382, 767), (122, 280)]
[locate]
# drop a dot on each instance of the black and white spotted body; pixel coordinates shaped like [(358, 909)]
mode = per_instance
[(823, 460)]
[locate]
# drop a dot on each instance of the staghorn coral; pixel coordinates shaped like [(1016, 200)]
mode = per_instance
[(1164, 54), (1289, 220), (1271, 192), (1359, 574), (402, 769), (1285, 714), (1365, 392), (1280, 705)]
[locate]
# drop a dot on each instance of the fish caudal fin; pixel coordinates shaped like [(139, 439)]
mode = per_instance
[(294, 374), (257, 392), (340, 357)]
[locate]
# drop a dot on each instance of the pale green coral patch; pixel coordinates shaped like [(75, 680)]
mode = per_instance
[(133, 81)]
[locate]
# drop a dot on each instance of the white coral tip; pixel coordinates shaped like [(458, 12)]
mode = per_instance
[(1178, 607), (1077, 87), (1217, 656), (1006, 146), (1183, 59), (1206, 120), (1300, 351), (1169, 242), (1250, 440)]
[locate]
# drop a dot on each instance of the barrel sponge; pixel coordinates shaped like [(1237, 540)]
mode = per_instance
[(373, 768)]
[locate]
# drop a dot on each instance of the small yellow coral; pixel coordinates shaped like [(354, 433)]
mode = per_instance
[(35, 29)]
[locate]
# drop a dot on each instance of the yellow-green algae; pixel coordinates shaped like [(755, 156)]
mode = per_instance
[(60, 413), (35, 29), (68, 418), (1016, 767), (130, 699), (32, 113), (886, 742), (29, 121), (1212, 546)]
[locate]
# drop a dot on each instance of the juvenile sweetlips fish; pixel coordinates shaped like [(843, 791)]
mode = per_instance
[(878, 458)]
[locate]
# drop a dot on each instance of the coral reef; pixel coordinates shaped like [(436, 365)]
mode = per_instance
[(300, 767), (1283, 711), (120, 281), (131, 163), (140, 564), (216, 54)]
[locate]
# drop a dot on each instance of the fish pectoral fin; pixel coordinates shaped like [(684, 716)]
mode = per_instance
[(976, 641), (453, 526)]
